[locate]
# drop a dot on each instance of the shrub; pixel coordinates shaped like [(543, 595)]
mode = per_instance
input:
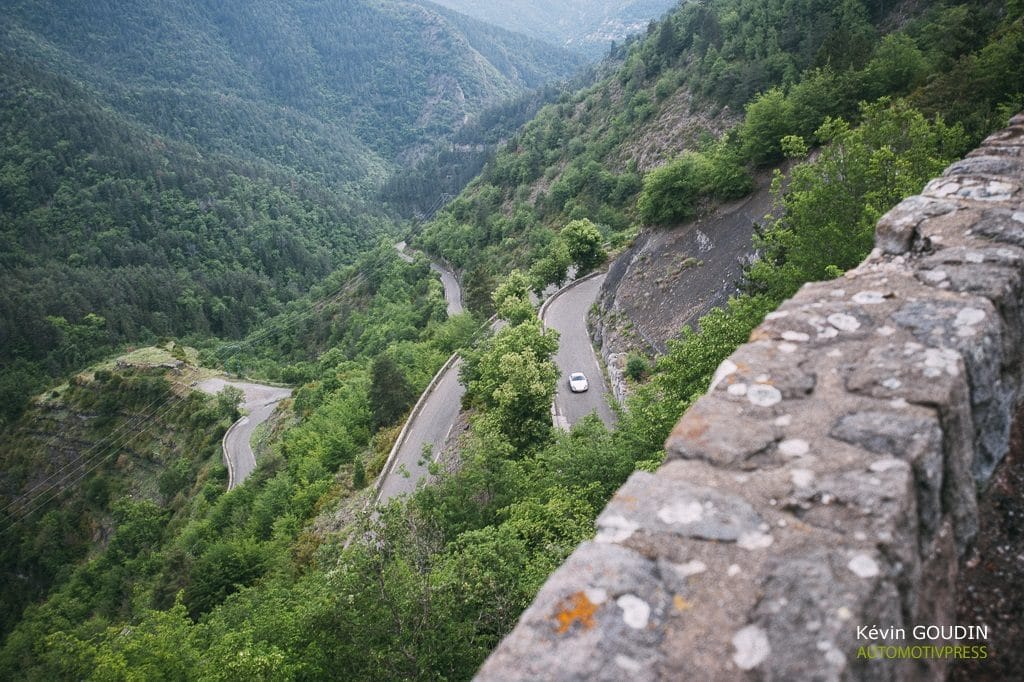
[(358, 475), (769, 118), (636, 367), (671, 193)]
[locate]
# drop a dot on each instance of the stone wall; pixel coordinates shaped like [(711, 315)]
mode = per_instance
[(827, 480)]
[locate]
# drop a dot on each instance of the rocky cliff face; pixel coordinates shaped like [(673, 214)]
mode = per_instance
[(668, 279), (827, 483)]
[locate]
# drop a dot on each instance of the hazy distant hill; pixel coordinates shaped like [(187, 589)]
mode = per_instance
[(586, 26)]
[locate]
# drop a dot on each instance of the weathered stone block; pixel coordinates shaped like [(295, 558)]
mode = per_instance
[(975, 331), (810, 597), (909, 436), (598, 617), (974, 188), (828, 479), (1001, 225), (1011, 135), (986, 165), (725, 433), (666, 507), (895, 231)]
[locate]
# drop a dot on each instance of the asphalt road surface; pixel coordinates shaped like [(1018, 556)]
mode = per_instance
[(430, 427), (433, 422), (452, 290), (260, 402), (568, 313)]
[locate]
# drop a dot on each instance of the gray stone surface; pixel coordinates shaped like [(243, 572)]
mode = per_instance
[(598, 617), (904, 437), (827, 480), (663, 506), (896, 230)]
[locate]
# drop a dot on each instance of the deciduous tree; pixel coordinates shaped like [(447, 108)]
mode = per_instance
[(583, 241)]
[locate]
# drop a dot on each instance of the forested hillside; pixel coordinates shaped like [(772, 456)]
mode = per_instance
[(706, 99), (112, 233), (96, 460), (113, 487), (291, 576), (292, 82), (184, 170)]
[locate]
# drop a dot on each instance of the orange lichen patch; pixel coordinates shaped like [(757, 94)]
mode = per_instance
[(680, 603), (761, 334), (629, 501), (575, 608), (800, 526), (690, 426), (737, 375)]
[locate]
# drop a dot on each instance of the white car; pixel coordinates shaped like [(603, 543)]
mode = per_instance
[(578, 382)]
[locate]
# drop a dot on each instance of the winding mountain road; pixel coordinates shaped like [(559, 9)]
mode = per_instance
[(452, 290), (566, 312), (437, 410), (433, 416), (260, 402), (429, 425)]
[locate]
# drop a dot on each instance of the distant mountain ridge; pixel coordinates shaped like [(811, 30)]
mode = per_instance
[(584, 26), (391, 74)]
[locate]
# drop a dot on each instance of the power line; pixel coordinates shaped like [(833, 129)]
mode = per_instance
[(97, 445), (49, 488), (53, 490), (27, 501)]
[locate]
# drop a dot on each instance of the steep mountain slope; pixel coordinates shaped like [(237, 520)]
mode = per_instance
[(708, 95), (111, 233), (136, 434), (184, 169), (98, 455), (585, 26), (394, 73)]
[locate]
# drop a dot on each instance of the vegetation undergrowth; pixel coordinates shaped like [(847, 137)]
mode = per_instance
[(252, 584)]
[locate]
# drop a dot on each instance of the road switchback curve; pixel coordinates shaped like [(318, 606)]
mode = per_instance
[(566, 312), (437, 410), (260, 401)]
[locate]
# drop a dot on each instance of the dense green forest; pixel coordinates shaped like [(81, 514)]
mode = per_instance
[(419, 190), (383, 327), (187, 171), (289, 576), (112, 234), (309, 85), (81, 489), (786, 65)]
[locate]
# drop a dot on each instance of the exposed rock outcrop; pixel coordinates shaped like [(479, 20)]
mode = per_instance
[(828, 480), (669, 278)]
